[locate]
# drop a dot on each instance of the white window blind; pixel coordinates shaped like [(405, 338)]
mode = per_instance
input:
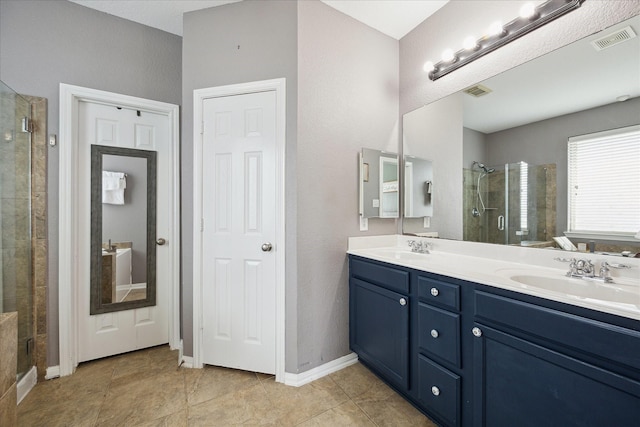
[(524, 196), (604, 182)]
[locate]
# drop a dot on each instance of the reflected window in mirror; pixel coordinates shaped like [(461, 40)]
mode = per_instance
[(123, 199), (379, 187), (603, 177)]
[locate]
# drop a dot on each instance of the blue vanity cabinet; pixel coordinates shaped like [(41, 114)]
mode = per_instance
[(438, 360), (468, 354), (538, 366), (379, 319)]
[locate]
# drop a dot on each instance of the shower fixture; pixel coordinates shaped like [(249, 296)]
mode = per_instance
[(485, 171), (483, 167)]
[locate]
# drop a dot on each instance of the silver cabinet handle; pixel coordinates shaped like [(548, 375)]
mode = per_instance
[(477, 332), (434, 333), (434, 292), (161, 241), (501, 222), (435, 391), (266, 247), (403, 301)]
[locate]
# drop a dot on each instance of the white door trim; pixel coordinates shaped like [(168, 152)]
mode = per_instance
[(199, 95), (70, 96)]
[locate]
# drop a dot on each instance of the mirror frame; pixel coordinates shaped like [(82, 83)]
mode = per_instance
[(96, 305)]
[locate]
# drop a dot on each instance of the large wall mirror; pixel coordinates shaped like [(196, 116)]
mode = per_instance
[(123, 229), (499, 149)]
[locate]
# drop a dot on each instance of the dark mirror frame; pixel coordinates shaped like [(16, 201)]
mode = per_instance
[(96, 305)]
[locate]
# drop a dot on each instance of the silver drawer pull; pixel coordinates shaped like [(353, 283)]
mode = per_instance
[(434, 292), (434, 333), (403, 301), (435, 391), (477, 332)]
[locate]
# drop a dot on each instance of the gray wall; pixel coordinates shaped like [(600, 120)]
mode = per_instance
[(128, 222), (474, 148), (347, 99), (341, 96), (546, 142), (237, 43), (45, 43), (434, 132)]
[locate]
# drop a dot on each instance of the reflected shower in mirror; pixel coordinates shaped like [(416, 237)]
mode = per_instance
[(379, 192), (123, 193), (523, 117)]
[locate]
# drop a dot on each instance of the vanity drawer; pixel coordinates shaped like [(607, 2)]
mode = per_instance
[(603, 340), (439, 390), (437, 292), (439, 333), (388, 277)]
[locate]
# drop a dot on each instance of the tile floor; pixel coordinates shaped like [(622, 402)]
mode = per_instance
[(146, 388)]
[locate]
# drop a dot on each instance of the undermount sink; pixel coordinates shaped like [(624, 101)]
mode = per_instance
[(580, 288)]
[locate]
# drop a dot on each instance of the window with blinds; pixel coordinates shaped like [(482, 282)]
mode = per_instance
[(604, 182)]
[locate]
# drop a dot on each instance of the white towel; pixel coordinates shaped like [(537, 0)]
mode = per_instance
[(113, 185)]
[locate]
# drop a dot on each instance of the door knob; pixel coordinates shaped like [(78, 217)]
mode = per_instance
[(161, 241), (266, 247)]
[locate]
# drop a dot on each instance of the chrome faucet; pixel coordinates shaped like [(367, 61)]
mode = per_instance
[(584, 269), (419, 246)]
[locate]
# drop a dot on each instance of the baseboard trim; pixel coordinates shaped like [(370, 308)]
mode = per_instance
[(52, 372), (26, 383), (187, 362), (297, 380)]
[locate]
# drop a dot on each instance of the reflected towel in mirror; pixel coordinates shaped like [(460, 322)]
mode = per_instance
[(113, 186)]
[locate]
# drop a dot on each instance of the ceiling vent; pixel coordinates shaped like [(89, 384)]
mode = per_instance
[(612, 39), (477, 90)]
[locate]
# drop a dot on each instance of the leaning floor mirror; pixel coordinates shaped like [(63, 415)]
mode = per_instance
[(123, 229)]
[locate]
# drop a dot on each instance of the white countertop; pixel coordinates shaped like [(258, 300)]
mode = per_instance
[(526, 270)]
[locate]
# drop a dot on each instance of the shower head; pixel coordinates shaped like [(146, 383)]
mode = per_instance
[(483, 167)]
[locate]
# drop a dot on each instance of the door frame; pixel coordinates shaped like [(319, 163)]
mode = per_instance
[(68, 275), (199, 95)]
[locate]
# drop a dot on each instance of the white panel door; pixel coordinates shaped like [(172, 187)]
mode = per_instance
[(239, 226), (113, 333)]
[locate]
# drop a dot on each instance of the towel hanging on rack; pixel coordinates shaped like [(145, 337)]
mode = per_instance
[(113, 186)]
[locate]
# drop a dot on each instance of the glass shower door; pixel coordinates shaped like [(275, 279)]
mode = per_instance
[(16, 292)]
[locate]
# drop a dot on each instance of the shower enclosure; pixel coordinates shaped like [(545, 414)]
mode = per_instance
[(16, 290), (511, 204)]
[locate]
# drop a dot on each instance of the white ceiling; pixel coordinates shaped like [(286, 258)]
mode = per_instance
[(394, 18)]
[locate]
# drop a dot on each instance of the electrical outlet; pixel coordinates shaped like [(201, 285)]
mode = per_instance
[(427, 222), (364, 224)]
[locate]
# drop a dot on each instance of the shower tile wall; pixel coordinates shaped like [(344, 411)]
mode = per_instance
[(39, 230)]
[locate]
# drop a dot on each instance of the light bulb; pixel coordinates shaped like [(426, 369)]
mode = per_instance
[(496, 29), (428, 67), (470, 43), (448, 55), (527, 11)]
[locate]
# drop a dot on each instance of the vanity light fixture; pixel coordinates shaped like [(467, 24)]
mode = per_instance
[(531, 18)]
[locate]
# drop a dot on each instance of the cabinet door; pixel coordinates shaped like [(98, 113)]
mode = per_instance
[(379, 330), (518, 383)]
